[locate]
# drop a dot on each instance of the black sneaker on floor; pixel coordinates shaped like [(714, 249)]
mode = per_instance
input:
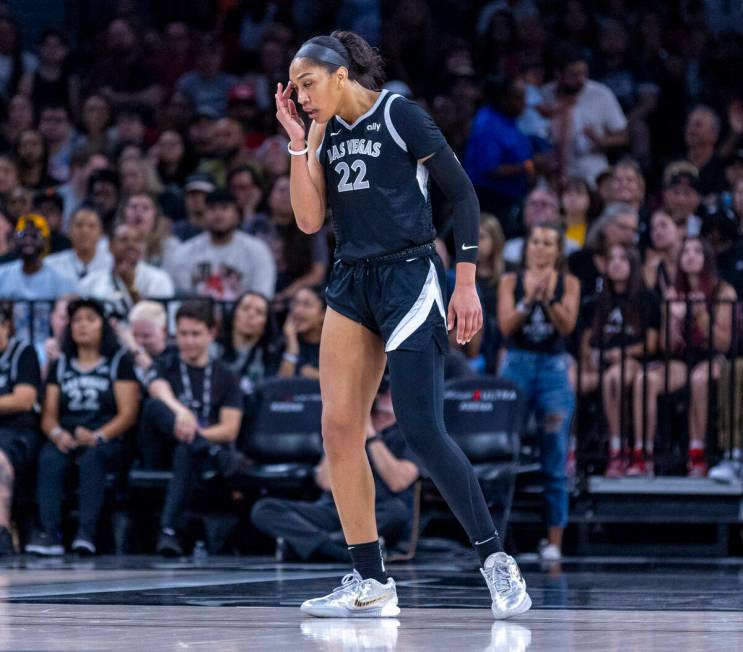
[(83, 545), (45, 545), (167, 545), (6, 543)]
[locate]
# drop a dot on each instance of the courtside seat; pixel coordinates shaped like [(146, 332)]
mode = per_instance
[(285, 440), (485, 416), (149, 479)]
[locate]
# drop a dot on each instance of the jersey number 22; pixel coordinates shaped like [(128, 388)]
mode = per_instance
[(359, 183)]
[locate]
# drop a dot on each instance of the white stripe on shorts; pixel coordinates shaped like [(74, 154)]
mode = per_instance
[(417, 315)]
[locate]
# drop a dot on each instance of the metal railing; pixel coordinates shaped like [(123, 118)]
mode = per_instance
[(32, 320), (730, 362)]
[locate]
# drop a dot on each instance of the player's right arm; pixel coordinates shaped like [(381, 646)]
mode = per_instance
[(307, 181)]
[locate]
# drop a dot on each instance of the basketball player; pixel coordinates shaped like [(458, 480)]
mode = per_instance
[(368, 155)]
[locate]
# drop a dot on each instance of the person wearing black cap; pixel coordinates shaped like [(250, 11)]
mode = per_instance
[(223, 262), (197, 188), (20, 387), (681, 196), (91, 401)]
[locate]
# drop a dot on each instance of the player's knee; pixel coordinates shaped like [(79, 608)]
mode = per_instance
[(339, 432)]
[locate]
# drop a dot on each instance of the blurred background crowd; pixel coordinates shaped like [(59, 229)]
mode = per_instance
[(141, 164)]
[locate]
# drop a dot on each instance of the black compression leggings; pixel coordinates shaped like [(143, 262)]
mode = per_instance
[(417, 382)]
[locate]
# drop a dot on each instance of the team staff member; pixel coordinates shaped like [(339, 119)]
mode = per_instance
[(91, 400), (20, 385), (370, 155), (196, 415)]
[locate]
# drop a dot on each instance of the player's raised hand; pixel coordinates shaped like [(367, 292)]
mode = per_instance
[(286, 114)]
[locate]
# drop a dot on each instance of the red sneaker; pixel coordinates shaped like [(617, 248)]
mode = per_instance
[(616, 466), (636, 464), (697, 465)]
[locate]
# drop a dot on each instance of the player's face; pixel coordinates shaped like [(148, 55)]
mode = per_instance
[(193, 338), (86, 327), (318, 91)]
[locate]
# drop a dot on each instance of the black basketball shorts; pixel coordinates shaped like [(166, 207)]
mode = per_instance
[(396, 296)]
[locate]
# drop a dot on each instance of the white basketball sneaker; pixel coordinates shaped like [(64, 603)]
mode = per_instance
[(356, 598), (507, 586)]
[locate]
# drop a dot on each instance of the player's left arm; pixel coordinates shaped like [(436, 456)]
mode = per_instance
[(416, 132), (465, 310)]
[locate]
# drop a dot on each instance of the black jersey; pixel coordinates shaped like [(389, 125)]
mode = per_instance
[(204, 390), (626, 322), (537, 333), (19, 365), (86, 397), (377, 191)]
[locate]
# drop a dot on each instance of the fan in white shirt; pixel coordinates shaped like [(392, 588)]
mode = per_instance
[(586, 118), (131, 278), (89, 253)]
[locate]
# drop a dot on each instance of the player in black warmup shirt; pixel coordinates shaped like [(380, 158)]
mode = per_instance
[(91, 401), (194, 419), (368, 157), (20, 386)]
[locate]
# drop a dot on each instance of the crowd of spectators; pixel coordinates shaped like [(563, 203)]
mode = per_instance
[(141, 161)]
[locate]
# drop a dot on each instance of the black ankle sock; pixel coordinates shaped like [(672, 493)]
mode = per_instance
[(367, 560), (489, 546)]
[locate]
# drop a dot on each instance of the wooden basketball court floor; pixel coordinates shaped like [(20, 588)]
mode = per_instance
[(231, 604)]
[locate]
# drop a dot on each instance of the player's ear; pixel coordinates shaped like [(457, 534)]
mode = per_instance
[(341, 76)]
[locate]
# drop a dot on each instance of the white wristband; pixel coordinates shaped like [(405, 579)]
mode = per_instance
[(300, 152)]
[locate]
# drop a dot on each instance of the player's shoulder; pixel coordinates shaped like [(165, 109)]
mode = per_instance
[(399, 105)]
